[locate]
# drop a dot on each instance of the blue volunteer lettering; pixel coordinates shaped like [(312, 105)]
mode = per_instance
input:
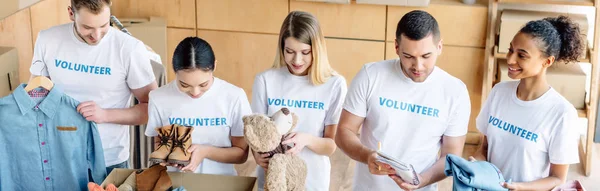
[(296, 103), (100, 70), (413, 108), (513, 129), (195, 122)]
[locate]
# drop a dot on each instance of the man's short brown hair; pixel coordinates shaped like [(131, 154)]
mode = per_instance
[(95, 6)]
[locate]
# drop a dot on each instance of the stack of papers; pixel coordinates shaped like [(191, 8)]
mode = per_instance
[(403, 170)]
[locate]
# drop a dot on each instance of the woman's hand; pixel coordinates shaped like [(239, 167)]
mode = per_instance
[(300, 140), (198, 152), (261, 159)]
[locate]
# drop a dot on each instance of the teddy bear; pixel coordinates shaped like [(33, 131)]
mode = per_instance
[(264, 135)]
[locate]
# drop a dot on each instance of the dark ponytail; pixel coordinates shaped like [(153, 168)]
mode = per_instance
[(193, 53), (557, 36)]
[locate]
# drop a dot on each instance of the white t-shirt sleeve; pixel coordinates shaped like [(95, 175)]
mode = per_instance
[(37, 63), (356, 99), (259, 95), (458, 124), (564, 142), (241, 109), (481, 122), (335, 107), (140, 72), (154, 119)]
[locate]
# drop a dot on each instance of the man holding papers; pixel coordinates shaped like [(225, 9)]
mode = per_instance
[(412, 107)]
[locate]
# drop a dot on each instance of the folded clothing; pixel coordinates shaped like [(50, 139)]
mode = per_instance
[(405, 171), (477, 175), (179, 189)]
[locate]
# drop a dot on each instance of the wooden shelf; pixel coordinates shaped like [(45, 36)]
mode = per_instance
[(551, 2), (582, 113), (483, 3), (498, 55)]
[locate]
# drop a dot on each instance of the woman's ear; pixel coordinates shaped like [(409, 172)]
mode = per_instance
[(215, 67), (549, 61)]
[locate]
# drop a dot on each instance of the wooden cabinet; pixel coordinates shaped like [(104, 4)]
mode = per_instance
[(240, 56), (174, 36), (48, 13), (178, 13), (357, 21), (261, 16), (15, 31), (460, 25)]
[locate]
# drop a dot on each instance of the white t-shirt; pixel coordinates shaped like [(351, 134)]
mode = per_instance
[(315, 106), (408, 118), (524, 137), (104, 73), (215, 116)]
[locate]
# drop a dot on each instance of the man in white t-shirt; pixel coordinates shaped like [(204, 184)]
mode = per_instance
[(410, 106), (100, 67)]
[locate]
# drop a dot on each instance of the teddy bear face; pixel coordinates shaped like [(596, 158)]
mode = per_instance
[(283, 120), (264, 134)]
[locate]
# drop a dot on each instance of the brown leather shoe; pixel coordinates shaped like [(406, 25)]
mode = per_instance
[(164, 182), (165, 145), (146, 179), (181, 144)]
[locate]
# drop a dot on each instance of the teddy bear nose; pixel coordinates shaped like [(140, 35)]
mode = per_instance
[(285, 111)]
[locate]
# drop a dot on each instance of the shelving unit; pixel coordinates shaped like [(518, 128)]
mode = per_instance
[(551, 2), (492, 55)]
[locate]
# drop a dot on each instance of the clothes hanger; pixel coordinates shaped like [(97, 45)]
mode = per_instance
[(39, 81)]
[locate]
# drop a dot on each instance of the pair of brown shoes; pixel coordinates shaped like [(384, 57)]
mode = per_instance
[(174, 142)]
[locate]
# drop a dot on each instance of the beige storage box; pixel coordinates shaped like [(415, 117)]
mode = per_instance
[(9, 70), (152, 31), (191, 181)]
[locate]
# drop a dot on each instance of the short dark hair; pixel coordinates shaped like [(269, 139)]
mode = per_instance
[(416, 25), (193, 53), (557, 36), (95, 6)]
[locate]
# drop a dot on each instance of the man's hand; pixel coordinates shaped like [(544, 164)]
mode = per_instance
[(92, 112), (378, 168), (404, 185), (511, 186)]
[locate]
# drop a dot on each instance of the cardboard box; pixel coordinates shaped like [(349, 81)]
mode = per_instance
[(410, 3), (9, 70), (191, 181), (329, 1), (512, 21), (566, 79), (152, 31)]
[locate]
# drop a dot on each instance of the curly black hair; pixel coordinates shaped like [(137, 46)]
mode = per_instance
[(557, 36)]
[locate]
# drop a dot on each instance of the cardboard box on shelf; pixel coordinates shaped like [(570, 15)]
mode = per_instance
[(152, 31), (329, 1), (411, 3), (191, 181), (512, 21), (9, 70), (566, 79)]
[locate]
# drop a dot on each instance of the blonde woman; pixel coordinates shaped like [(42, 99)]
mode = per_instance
[(302, 80)]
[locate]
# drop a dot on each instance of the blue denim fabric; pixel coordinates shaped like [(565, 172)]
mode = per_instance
[(48, 147), (473, 176), (120, 165)]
